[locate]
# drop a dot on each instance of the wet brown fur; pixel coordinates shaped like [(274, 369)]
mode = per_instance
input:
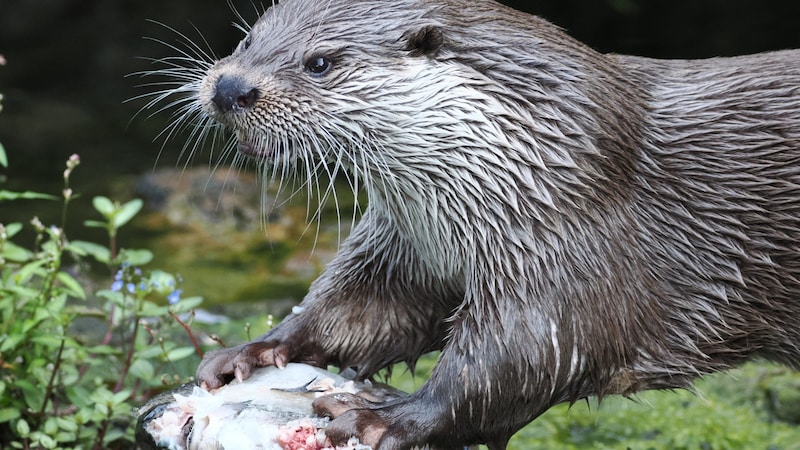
[(560, 223)]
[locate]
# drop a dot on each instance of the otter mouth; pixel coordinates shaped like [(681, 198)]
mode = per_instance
[(249, 148), (254, 147)]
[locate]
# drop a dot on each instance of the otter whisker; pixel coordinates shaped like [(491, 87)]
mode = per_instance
[(182, 108), (241, 23), (313, 190), (182, 74), (284, 176), (347, 158), (198, 132), (228, 149), (391, 190), (172, 65), (324, 152), (330, 192), (343, 157), (322, 18), (190, 49), (177, 125)]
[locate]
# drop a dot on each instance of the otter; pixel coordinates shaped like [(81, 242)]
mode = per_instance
[(558, 222)]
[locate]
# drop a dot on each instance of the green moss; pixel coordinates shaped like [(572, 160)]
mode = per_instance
[(272, 255), (273, 288)]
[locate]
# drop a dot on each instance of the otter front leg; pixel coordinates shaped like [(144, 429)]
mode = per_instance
[(373, 306), (494, 376)]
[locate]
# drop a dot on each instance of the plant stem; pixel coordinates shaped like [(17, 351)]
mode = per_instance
[(49, 389), (189, 332), (101, 433), (128, 357)]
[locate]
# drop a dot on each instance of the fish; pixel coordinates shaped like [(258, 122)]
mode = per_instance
[(271, 410)]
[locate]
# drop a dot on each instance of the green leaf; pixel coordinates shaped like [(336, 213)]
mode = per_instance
[(14, 252), (28, 270), (120, 397), (104, 206), (56, 303), (142, 369), (66, 436), (9, 414), (150, 309), (39, 315), (112, 296), (114, 434), (98, 252), (46, 441), (79, 395), (180, 353), (73, 287), (187, 304), (22, 292), (27, 195), (127, 211), (50, 426), (104, 350), (95, 224), (23, 429), (100, 411), (47, 341), (3, 156), (33, 394), (136, 257), (66, 424), (150, 352), (13, 228)]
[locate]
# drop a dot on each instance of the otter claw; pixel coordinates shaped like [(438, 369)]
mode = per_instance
[(237, 373), (280, 357), (353, 416)]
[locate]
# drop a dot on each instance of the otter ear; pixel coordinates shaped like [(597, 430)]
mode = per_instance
[(424, 42)]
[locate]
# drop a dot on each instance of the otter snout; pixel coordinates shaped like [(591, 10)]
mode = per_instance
[(232, 92)]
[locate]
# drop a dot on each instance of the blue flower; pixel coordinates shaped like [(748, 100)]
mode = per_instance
[(174, 296), (131, 288), (117, 285)]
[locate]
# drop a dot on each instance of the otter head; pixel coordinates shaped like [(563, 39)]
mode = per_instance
[(444, 111), (321, 80)]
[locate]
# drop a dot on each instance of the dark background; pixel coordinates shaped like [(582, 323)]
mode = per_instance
[(65, 82)]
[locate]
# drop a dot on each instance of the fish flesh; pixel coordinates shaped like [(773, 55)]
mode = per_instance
[(271, 410)]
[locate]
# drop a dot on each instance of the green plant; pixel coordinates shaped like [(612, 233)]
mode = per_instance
[(61, 385)]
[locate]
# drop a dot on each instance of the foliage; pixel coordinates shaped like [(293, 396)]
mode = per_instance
[(668, 420), (733, 410), (62, 386)]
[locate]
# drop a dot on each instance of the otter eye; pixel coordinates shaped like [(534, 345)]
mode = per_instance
[(319, 65)]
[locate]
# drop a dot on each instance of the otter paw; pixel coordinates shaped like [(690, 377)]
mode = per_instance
[(219, 367), (353, 416)]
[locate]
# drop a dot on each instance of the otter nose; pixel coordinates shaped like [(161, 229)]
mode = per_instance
[(233, 92)]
